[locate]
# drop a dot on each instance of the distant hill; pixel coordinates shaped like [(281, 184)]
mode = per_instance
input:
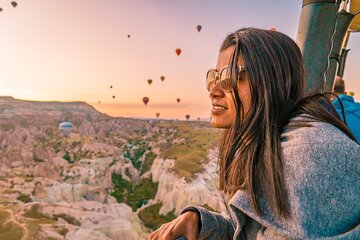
[(38, 110)]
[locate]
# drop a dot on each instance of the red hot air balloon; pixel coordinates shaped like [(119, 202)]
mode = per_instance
[(273, 29), (149, 81), (187, 116), (162, 78), (14, 4), (146, 100), (178, 51), (178, 100), (198, 27), (157, 115)]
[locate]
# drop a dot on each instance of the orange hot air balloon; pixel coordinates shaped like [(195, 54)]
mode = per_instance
[(187, 116), (14, 4), (178, 100), (273, 29), (198, 27), (149, 81), (146, 100), (178, 51), (162, 78), (157, 115)]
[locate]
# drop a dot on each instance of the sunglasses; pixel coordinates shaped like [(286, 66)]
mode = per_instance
[(214, 77)]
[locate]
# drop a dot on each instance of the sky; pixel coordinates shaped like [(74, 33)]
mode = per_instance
[(74, 50)]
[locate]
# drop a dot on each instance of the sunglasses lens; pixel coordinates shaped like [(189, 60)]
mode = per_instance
[(210, 78), (225, 79)]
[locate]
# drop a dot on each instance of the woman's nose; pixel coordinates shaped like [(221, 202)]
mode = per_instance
[(216, 91)]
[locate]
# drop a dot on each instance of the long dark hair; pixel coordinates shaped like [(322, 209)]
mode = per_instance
[(250, 151)]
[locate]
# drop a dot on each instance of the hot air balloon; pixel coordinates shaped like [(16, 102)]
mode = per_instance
[(198, 119), (113, 97), (128, 35), (157, 115), (66, 128), (178, 100), (14, 4), (178, 51), (0, 9), (162, 78), (111, 86), (187, 116), (273, 29), (149, 81), (99, 102), (146, 100), (198, 27)]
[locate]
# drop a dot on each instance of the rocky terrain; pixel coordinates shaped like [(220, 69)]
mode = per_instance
[(110, 178)]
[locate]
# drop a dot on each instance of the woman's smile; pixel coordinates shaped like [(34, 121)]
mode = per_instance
[(218, 109)]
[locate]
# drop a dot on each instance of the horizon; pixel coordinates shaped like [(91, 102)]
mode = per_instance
[(81, 51), (193, 117)]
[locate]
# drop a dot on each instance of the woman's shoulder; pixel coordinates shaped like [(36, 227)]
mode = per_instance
[(311, 146), (321, 165), (304, 132)]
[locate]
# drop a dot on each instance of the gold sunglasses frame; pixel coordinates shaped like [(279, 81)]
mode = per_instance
[(217, 77)]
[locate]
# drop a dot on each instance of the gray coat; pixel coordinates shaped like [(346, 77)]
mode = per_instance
[(321, 173)]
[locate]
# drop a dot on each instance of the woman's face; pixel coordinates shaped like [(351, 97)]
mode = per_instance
[(223, 112)]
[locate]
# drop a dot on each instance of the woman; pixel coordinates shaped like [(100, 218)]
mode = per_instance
[(288, 163)]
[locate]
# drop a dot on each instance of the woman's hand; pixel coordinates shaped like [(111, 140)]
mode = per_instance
[(186, 225)]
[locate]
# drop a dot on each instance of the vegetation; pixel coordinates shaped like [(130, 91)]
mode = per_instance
[(135, 150), (9, 230), (24, 198), (191, 153), (149, 159), (151, 217), (67, 157), (133, 195)]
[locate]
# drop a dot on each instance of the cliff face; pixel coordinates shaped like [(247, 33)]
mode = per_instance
[(110, 178)]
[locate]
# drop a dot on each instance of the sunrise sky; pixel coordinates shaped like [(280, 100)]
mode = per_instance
[(73, 50)]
